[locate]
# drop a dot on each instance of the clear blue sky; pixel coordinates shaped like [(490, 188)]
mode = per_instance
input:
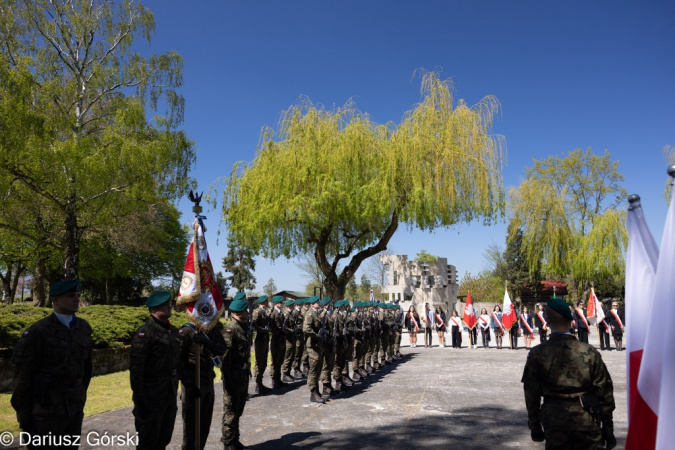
[(568, 74)]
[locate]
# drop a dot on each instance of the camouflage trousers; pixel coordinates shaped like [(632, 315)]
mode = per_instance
[(340, 360), (205, 415), (384, 347), (349, 352), (369, 344), (234, 401), (397, 341), (376, 348), (315, 356), (327, 364), (299, 351), (278, 350), (289, 355), (155, 427), (359, 348), (572, 440), (262, 347)]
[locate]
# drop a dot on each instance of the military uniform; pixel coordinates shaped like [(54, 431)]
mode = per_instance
[(153, 370), (235, 375), (53, 369), (328, 359), (561, 370), (311, 328), (358, 364), (398, 331), (261, 344), (289, 338), (278, 343), (299, 340), (214, 347)]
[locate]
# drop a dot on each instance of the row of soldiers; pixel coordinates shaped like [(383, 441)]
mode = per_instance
[(316, 339)]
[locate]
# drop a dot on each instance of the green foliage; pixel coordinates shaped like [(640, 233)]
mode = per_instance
[(352, 289), (239, 262), (425, 257), (348, 182), (566, 209), (484, 287), (365, 284), (112, 326), (270, 288)]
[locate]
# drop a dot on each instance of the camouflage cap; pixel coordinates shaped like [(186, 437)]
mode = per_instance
[(63, 287), (558, 305), (238, 305), (158, 298)]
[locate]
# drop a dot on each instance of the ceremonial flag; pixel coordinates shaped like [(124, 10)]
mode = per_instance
[(642, 311), (469, 312), (663, 307), (509, 316), (199, 292), (594, 311)]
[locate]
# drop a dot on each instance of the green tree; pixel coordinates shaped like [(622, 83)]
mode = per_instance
[(270, 288), (425, 257), (567, 209), (376, 269), (240, 263), (84, 148), (484, 287), (366, 286), (348, 182), (352, 289)]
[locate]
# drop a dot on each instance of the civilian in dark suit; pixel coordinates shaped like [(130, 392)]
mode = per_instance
[(604, 330)]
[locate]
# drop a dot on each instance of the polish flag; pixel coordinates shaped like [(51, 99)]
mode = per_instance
[(509, 315), (469, 312), (594, 312), (199, 293)]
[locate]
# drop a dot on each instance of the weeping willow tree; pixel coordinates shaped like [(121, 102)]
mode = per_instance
[(567, 209), (336, 184)]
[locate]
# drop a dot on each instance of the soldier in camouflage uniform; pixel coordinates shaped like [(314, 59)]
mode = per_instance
[(341, 345), (314, 345), (153, 370), (289, 338), (211, 345), (328, 360), (301, 310), (261, 345), (304, 361), (53, 368), (349, 336), (575, 385), (235, 373), (386, 325), (359, 339), (398, 331), (278, 344)]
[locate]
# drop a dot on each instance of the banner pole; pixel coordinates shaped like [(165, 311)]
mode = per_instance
[(198, 400)]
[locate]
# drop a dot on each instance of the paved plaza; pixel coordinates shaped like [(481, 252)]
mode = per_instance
[(435, 398)]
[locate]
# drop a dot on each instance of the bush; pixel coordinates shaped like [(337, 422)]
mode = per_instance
[(112, 326)]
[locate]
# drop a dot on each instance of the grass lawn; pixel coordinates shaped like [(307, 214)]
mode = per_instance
[(105, 393)]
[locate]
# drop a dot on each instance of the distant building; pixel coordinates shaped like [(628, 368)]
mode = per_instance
[(415, 283)]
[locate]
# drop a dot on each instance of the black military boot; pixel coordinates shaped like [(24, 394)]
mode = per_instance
[(327, 390), (287, 378), (261, 388), (363, 372), (356, 376), (347, 381), (298, 375), (277, 384), (369, 369), (305, 370), (316, 398), (339, 387)]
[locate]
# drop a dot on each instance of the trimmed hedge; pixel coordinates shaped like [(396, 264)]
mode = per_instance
[(112, 325)]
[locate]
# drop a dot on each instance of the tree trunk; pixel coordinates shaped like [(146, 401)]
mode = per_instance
[(20, 268), (39, 282), (6, 278), (71, 263)]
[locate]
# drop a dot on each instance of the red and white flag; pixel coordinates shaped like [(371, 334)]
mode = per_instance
[(643, 365), (469, 312), (594, 312), (199, 292), (509, 316), (663, 307)]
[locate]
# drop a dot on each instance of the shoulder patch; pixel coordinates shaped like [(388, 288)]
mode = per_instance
[(25, 333), (180, 331), (141, 335), (227, 330)]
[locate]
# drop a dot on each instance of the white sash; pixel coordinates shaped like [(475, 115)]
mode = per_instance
[(616, 316), (541, 317), (522, 319)]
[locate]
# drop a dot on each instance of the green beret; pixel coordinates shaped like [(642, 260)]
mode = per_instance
[(262, 299), (559, 306), (352, 308), (63, 287), (313, 299), (238, 305), (324, 301), (277, 299), (158, 298), (289, 302), (240, 296)]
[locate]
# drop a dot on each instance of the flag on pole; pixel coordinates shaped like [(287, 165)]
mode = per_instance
[(642, 258), (199, 292), (594, 312), (469, 312), (509, 316), (663, 307)]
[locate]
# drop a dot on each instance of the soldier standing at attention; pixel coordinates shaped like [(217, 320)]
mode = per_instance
[(153, 370), (328, 359), (398, 332), (575, 384), (289, 339), (53, 369), (278, 345), (300, 311), (262, 343), (235, 373), (211, 346), (311, 327)]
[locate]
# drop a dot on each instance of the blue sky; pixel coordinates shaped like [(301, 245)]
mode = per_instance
[(568, 74)]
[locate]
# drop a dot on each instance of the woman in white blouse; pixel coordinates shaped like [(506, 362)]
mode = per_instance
[(484, 323), (456, 330)]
